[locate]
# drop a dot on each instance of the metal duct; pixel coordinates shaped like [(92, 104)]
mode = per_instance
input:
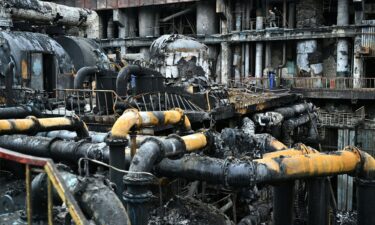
[(49, 12)]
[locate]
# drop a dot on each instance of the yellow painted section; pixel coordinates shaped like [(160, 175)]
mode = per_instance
[(24, 70), (290, 152), (173, 117), (318, 164), (195, 142), (278, 145), (133, 117), (5, 125), (52, 122), (149, 119), (126, 121), (23, 124)]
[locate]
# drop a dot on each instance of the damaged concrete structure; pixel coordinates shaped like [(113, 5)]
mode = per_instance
[(187, 112)]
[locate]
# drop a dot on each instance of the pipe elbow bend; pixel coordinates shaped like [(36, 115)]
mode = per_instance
[(82, 74)]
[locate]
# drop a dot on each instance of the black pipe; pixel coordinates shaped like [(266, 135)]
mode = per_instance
[(9, 98), (318, 201), (283, 203), (137, 194), (117, 161), (245, 172), (97, 201), (82, 74), (290, 124), (54, 148), (95, 137), (365, 202), (19, 112), (124, 75), (295, 110)]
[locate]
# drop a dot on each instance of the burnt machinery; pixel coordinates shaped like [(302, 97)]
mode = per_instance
[(89, 141), (33, 66)]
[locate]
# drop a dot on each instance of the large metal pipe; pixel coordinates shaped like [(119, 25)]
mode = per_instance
[(242, 173), (295, 110), (125, 73), (97, 200), (33, 125), (290, 124), (151, 151), (133, 118), (67, 151), (95, 137), (18, 112), (82, 74), (49, 12)]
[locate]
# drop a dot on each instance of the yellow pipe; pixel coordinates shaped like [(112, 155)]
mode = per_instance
[(317, 164), (133, 118), (195, 142), (33, 125), (125, 122), (301, 150), (276, 144)]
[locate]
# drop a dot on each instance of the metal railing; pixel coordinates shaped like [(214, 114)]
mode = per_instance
[(54, 181), (338, 119), (84, 101), (334, 83)]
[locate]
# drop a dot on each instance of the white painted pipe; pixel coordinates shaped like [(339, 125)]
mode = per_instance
[(49, 12), (259, 50)]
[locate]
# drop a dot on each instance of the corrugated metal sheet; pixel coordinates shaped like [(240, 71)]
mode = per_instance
[(113, 4), (368, 37), (366, 141)]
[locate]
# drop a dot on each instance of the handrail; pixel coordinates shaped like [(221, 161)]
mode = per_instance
[(54, 180), (329, 83)]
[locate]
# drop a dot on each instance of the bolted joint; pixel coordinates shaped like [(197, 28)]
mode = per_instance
[(178, 146)]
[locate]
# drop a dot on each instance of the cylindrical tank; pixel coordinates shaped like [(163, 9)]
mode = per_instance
[(83, 52), (40, 62)]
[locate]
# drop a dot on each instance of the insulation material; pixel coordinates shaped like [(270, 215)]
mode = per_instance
[(180, 57)]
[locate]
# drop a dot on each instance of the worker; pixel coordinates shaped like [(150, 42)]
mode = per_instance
[(272, 18)]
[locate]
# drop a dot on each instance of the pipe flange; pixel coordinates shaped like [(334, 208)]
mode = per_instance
[(226, 164), (356, 151), (116, 142), (36, 127), (137, 198), (132, 179), (161, 145), (178, 138)]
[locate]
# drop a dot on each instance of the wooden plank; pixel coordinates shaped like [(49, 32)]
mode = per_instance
[(90, 4)]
